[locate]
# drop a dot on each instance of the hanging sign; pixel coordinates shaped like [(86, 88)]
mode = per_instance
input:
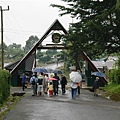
[(56, 37)]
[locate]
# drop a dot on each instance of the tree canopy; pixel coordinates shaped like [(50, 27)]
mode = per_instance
[(97, 29), (30, 42)]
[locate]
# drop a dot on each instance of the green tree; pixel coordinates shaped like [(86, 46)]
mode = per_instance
[(39, 54), (51, 52), (30, 43), (118, 5), (14, 52), (97, 29)]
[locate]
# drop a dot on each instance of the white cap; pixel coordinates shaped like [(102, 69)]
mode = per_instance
[(97, 78)]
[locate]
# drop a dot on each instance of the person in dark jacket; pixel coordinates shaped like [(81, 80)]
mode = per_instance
[(23, 81), (63, 83), (55, 84), (96, 86)]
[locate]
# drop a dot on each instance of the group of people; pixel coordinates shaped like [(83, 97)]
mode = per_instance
[(42, 85)]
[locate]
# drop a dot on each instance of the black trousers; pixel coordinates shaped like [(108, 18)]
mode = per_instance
[(55, 89), (63, 88), (78, 88), (23, 86)]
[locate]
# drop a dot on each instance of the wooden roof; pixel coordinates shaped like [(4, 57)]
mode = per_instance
[(84, 55), (55, 26), (28, 64)]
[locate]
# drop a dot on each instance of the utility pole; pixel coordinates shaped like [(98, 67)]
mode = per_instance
[(2, 51)]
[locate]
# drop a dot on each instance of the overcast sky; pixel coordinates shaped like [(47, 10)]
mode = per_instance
[(29, 17)]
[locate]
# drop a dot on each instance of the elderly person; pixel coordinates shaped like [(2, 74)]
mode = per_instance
[(96, 86)]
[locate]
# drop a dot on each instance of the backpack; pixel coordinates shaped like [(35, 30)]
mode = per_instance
[(33, 81), (40, 81)]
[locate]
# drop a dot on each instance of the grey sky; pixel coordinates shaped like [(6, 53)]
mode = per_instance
[(29, 17)]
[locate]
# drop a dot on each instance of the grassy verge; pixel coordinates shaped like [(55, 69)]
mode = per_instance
[(112, 91), (8, 105)]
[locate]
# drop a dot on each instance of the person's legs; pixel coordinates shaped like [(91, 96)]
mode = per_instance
[(50, 93), (74, 93), (38, 90), (54, 89), (42, 91), (44, 88), (62, 88), (34, 90), (23, 86), (95, 92), (63, 91), (78, 90), (57, 89)]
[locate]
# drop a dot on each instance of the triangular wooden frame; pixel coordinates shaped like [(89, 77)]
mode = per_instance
[(55, 26)]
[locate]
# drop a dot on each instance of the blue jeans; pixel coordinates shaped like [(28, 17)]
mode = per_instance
[(74, 91), (34, 89)]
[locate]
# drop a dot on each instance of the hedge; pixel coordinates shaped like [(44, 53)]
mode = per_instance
[(115, 75), (4, 85)]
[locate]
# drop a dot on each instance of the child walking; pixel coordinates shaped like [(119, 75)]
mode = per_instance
[(50, 89)]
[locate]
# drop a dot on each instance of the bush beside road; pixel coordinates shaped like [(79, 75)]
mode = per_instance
[(112, 91)]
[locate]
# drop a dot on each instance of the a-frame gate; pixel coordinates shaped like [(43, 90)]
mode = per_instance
[(55, 26)]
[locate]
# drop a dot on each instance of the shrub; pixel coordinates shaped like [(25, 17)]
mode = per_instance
[(115, 75), (4, 85), (113, 91)]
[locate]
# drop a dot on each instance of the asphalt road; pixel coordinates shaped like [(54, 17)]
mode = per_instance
[(62, 107)]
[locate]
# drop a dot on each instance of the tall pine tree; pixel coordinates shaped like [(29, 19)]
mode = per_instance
[(98, 26)]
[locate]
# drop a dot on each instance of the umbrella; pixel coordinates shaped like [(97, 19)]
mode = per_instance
[(40, 69), (52, 78), (99, 74), (57, 71), (75, 76), (49, 70)]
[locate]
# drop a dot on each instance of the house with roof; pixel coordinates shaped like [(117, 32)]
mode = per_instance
[(26, 67)]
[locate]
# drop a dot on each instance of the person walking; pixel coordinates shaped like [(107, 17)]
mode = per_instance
[(63, 83), (74, 89), (44, 83), (24, 81), (40, 85), (50, 89), (96, 86), (55, 84), (33, 82)]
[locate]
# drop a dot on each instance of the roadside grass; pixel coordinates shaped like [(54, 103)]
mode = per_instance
[(8, 105), (112, 91)]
